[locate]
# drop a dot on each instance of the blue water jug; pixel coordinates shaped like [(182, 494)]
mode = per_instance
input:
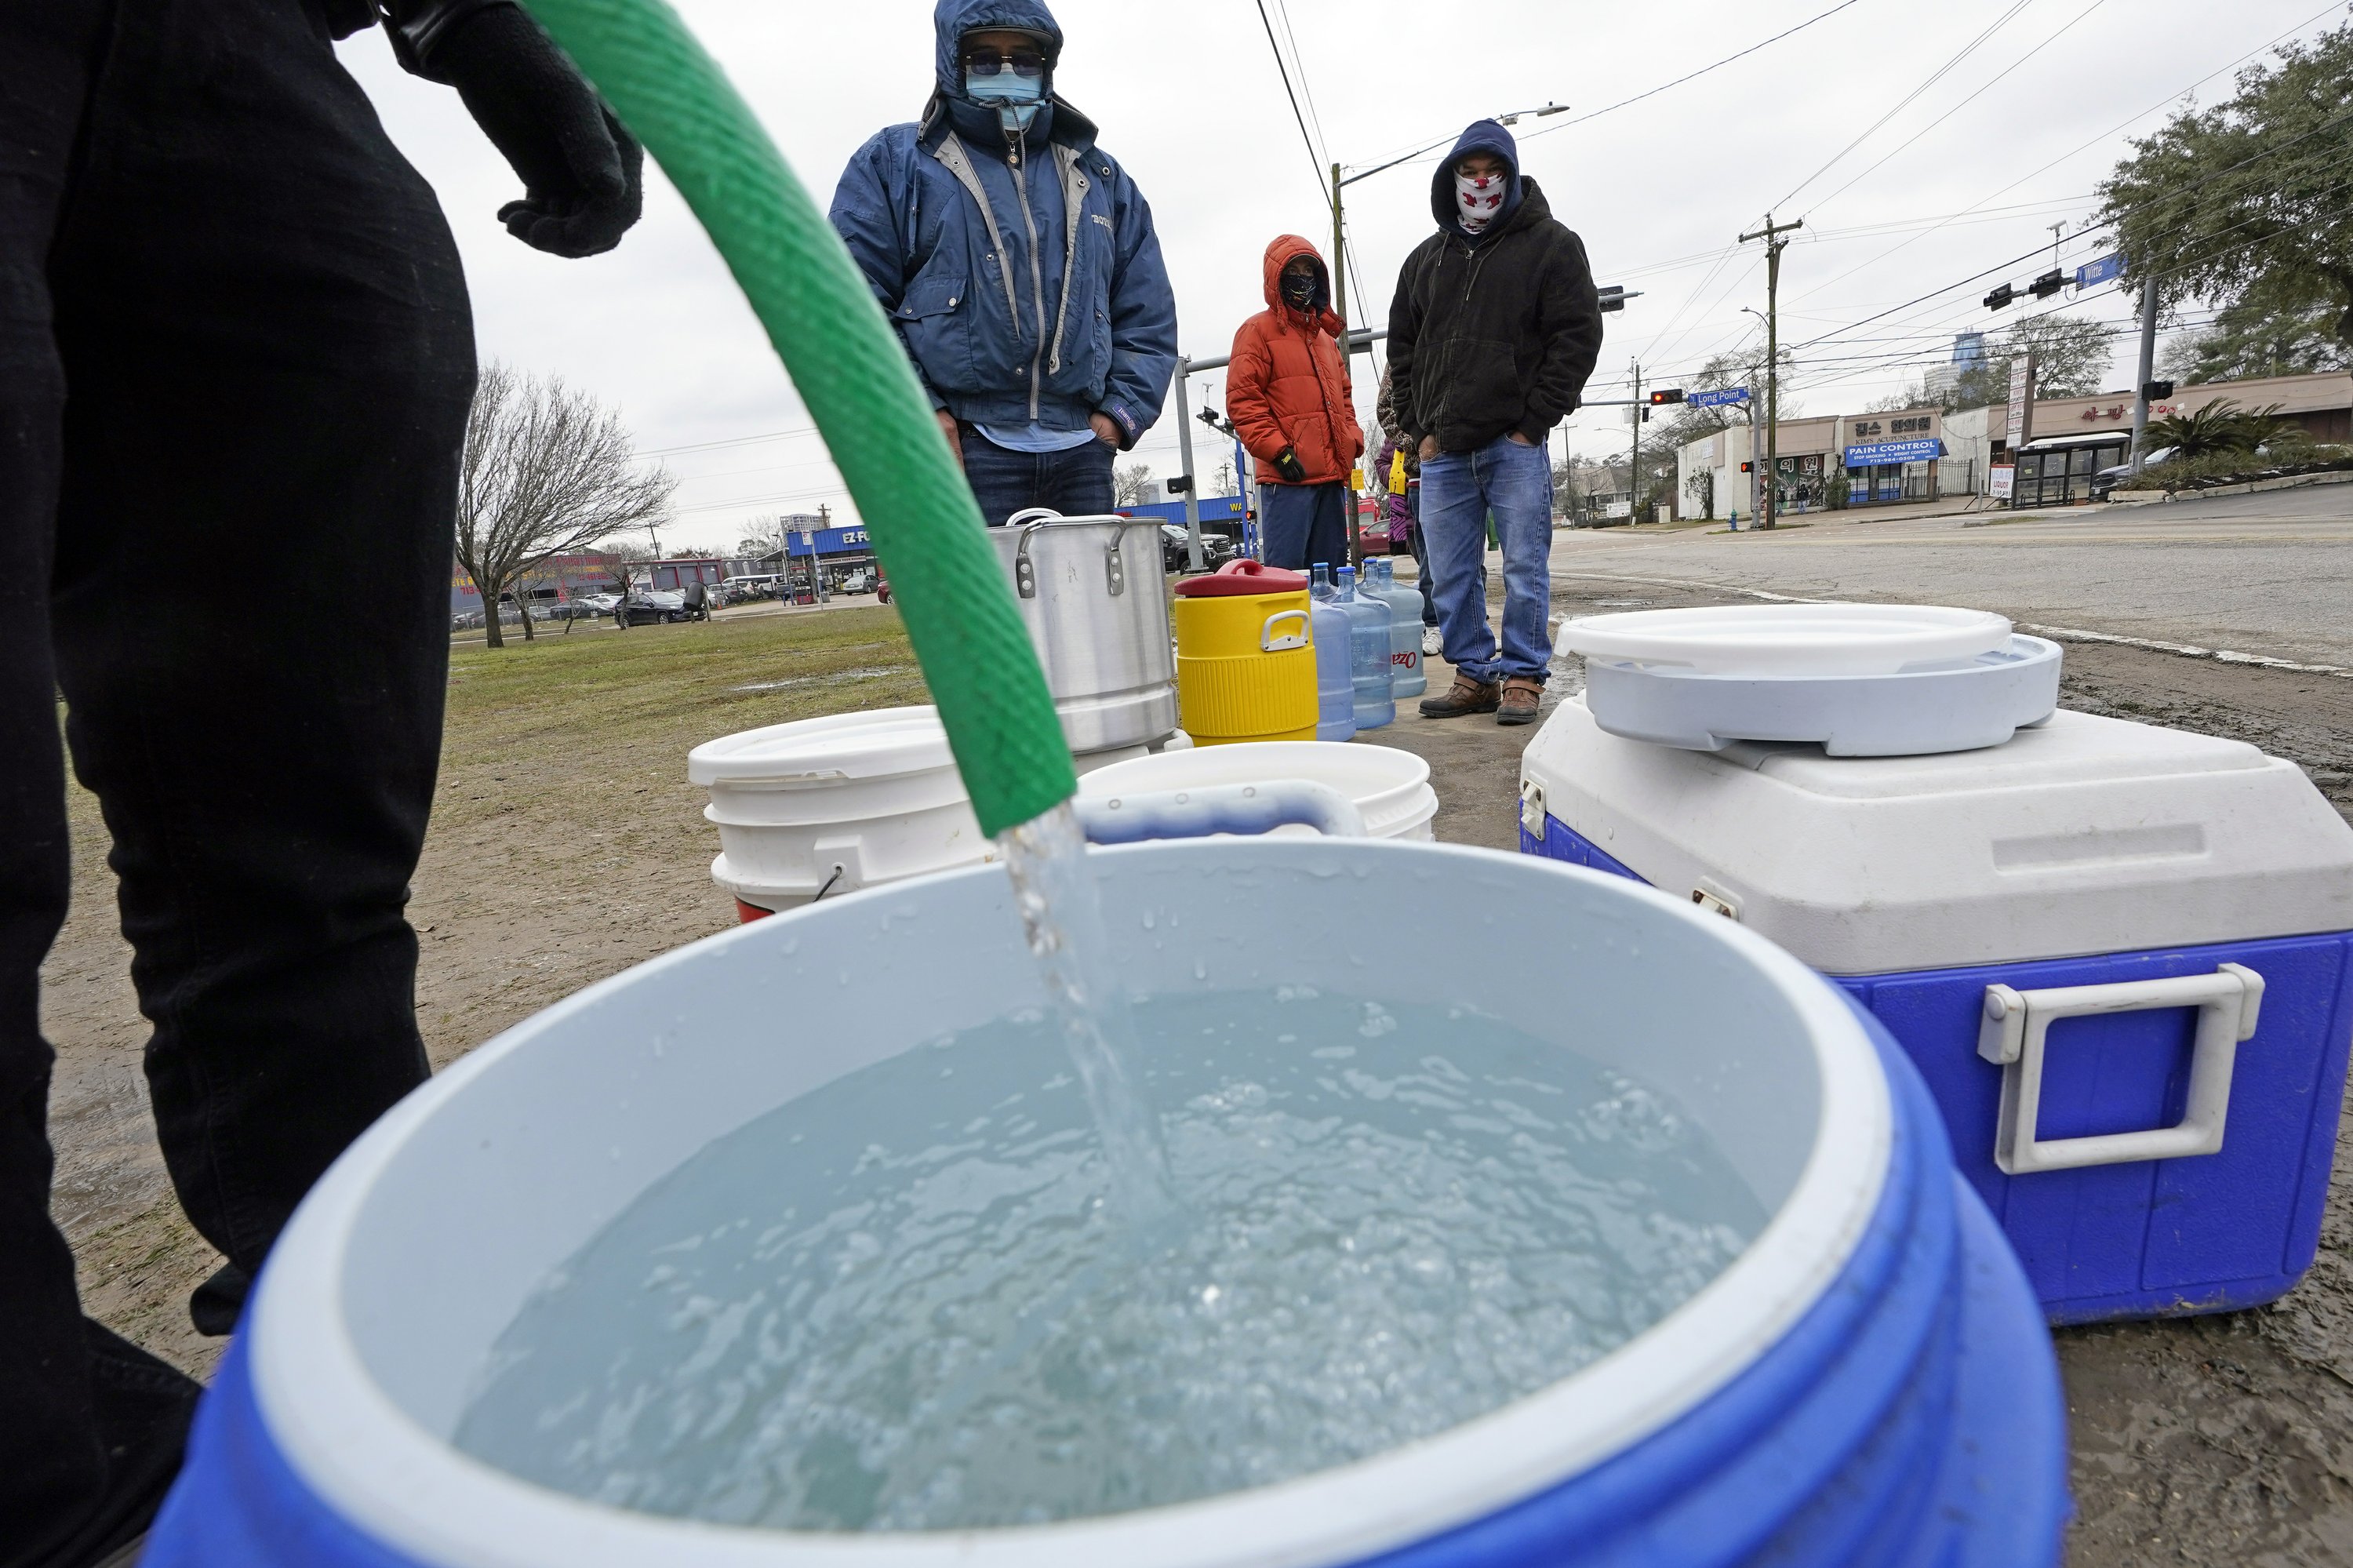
[(1330, 625), (1368, 651)]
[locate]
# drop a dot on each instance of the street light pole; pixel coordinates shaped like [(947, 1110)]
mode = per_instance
[(1634, 455), (1773, 245)]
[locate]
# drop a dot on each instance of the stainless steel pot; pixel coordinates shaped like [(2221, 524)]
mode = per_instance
[(1095, 598)]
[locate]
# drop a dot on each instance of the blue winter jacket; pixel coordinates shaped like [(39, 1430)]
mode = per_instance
[(1025, 280)]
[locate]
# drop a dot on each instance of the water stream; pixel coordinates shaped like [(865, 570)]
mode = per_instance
[(1061, 913)]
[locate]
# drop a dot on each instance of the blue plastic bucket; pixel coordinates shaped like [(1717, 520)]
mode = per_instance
[(1869, 1382)]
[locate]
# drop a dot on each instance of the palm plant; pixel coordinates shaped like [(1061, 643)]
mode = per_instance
[(2221, 426)]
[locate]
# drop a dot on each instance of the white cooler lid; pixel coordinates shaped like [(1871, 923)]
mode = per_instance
[(2088, 835), (1766, 640), (881, 743)]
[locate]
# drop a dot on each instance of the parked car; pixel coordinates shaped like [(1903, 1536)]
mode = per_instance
[(751, 585), (882, 588), (596, 603), (651, 606), (2107, 479), (1175, 552)]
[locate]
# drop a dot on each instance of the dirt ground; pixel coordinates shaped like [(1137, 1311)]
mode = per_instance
[(568, 845)]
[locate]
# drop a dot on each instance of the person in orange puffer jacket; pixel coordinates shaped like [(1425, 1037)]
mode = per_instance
[(1288, 394)]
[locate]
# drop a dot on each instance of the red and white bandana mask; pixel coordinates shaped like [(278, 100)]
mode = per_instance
[(1479, 198)]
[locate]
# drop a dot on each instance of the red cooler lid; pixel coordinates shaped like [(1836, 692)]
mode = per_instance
[(1243, 577)]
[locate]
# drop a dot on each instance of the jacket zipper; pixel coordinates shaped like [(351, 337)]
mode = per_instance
[(1330, 430), (1074, 200), (1037, 283)]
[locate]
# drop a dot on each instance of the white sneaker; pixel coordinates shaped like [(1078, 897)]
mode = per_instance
[(1431, 646)]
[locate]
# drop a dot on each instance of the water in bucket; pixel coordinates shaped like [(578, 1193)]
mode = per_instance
[(901, 1302)]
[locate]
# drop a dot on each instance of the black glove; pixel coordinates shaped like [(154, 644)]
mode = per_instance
[(581, 173), (1287, 463)]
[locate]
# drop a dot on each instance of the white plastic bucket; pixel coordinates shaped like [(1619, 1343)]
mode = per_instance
[(1390, 787), (835, 804)]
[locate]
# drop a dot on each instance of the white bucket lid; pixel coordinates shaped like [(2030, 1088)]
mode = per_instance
[(1390, 787), (881, 743), (1790, 639)]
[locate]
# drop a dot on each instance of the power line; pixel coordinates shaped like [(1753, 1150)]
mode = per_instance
[(1313, 160), (2072, 151), (2065, 30), (1934, 78), (1693, 75), (729, 442), (2270, 150)]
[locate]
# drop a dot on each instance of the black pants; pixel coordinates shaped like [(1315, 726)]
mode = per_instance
[(235, 363)]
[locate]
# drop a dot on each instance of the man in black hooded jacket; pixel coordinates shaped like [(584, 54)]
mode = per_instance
[(233, 328), (1494, 329)]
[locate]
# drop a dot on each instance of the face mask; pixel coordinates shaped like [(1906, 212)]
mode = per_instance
[(1479, 198), (1017, 97), (1300, 293)]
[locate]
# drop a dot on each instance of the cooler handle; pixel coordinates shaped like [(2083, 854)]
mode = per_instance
[(1218, 808), (2014, 1035), (1269, 642)]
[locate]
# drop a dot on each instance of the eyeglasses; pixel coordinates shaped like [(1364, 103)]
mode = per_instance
[(990, 62)]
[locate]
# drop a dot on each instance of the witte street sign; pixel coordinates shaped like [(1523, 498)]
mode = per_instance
[(1719, 397), (2100, 271)]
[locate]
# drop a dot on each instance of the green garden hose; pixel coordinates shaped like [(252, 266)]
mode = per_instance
[(851, 370)]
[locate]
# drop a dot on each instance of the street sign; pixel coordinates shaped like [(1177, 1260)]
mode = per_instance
[(2005, 481), (1718, 397), (2100, 271)]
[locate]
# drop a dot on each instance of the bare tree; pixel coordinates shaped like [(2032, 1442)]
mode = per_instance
[(1225, 478), (546, 471), (1127, 484)]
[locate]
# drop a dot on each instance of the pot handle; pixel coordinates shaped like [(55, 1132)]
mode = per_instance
[(1218, 808), (1269, 642)]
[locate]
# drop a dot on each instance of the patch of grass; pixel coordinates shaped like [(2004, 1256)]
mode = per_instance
[(564, 741), (700, 678)]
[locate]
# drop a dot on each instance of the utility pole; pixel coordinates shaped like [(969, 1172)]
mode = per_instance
[(2148, 369), (1340, 309), (1773, 245), (1634, 455)]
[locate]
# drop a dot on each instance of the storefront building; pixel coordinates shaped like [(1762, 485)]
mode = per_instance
[(1892, 457)]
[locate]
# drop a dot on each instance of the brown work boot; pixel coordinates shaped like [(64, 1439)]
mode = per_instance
[(1519, 701), (1469, 696)]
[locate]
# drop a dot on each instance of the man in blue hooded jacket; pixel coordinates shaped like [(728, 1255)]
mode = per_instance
[(1494, 329), (1017, 260)]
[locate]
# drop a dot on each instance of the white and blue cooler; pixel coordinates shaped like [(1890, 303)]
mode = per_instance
[(2117, 953)]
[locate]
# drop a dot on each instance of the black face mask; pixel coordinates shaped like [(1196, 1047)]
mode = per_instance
[(1300, 293)]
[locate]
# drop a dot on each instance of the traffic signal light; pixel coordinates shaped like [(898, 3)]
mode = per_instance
[(1667, 394), (2048, 284), (2158, 391), (1999, 298), (1748, 468)]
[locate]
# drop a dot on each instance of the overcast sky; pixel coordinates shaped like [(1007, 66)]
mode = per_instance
[(2000, 118)]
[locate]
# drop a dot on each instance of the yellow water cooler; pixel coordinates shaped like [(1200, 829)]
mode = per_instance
[(1245, 655)]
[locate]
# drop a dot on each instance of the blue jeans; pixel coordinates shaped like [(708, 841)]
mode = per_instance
[(1458, 490), (1076, 483), (1301, 524)]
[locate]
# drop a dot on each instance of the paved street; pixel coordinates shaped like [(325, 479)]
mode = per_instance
[(2270, 574)]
